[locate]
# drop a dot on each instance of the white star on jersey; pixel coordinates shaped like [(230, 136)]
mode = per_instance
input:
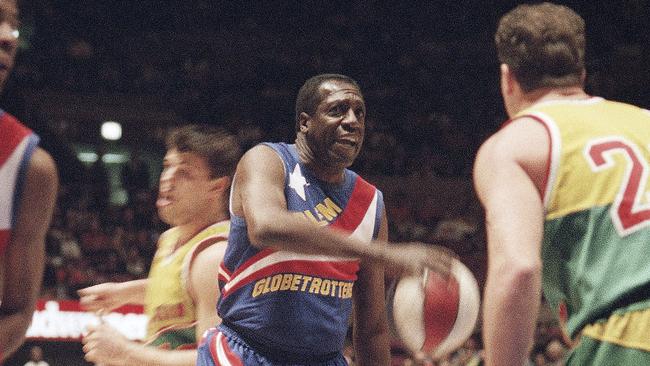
[(298, 182)]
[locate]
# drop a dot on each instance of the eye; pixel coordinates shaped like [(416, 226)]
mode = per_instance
[(337, 110), (360, 112)]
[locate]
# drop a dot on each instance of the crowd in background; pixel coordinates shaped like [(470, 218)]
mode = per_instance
[(432, 99), (92, 241)]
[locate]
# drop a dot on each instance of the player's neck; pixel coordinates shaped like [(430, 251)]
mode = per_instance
[(551, 94), (189, 230), (320, 169)]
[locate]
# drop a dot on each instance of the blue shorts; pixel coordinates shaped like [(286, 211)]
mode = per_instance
[(222, 347)]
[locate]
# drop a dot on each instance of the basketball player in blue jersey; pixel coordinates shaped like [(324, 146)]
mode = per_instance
[(28, 186), (307, 246), (564, 186)]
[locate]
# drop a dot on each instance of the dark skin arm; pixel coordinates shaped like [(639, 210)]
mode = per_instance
[(259, 197), (24, 257)]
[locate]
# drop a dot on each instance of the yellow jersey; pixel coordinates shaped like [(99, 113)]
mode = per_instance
[(597, 218), (168, 304)]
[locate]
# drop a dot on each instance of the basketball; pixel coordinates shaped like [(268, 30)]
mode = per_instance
[(434, 314)]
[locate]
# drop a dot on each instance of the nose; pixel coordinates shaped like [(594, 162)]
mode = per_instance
[(167, 176), (351, 120)]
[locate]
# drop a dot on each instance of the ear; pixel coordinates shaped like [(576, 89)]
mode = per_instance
[(220, 184), (507, 80), (303, 122)]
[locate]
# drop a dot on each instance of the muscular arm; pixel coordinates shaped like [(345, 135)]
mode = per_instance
[(370, 329), (508, 177), (259, 196), (111, 295), (24, 256)]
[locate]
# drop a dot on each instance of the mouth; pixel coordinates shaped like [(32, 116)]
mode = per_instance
[(347, 142), (163, 200)]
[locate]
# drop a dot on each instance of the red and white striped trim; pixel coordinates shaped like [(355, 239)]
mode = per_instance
[(269, 261), (8, 175), (221, 353), (223, 274)]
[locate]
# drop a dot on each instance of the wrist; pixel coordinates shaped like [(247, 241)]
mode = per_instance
[(131, 351)]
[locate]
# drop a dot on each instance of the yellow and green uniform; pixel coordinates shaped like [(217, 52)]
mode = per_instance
[(597, 226), (168, 304)]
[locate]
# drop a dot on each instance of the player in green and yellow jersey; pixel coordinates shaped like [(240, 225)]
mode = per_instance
[(181, 292), (564, 186)]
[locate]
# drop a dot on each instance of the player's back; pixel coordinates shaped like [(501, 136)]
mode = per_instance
[(597, 230)]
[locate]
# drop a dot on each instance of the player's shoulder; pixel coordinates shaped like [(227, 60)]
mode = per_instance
[(202, 261), (260, 155), (42, 169), (167, 235), (520, 137), (261, 161)]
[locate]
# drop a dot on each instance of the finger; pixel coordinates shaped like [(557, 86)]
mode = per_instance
[(100, 314), (87, 290), (91, 302), (90, 356)]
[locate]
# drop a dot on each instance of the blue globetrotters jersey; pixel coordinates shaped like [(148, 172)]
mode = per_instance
[(294, 304)]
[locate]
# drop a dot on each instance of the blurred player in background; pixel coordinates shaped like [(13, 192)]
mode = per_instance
[(301, 253), (564, 186), (181, 291), (28, 189)]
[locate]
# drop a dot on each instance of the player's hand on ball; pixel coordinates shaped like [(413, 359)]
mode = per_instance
[(412, 258)]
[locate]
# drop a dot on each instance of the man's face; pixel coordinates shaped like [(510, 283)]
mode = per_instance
[(8, 37), (185, 190), (336, 130)]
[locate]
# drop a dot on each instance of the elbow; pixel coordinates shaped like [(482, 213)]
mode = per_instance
[(263, 234), (520, 274), (526, 274)]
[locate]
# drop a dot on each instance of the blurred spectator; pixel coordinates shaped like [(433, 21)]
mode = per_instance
[(555, 353), (538, 359), (98, 183), (135, 177), (470, 354), (36, 357), (95, 243)]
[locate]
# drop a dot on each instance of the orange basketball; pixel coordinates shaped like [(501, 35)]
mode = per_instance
[(434, 314)]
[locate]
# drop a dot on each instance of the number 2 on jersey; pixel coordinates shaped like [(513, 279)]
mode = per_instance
[(628, 211)]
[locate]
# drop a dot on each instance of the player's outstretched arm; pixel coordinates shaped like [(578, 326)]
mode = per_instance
[(514, 220), (370, 328), (111, 295), (259, 196), (25, 253), (104, 345)]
